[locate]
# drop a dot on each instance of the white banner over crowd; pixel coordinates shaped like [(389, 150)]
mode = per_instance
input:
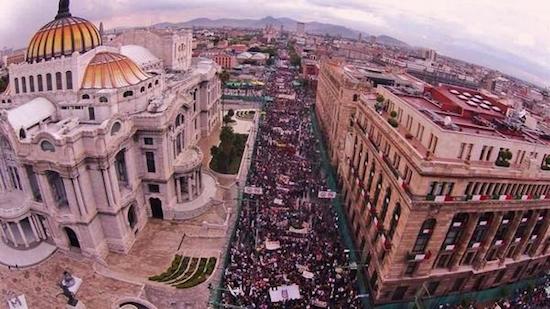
[(327, 194)]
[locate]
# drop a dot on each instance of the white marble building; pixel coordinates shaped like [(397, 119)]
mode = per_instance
[(96, 139)]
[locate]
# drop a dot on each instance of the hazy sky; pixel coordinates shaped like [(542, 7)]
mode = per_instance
[(455, 27)]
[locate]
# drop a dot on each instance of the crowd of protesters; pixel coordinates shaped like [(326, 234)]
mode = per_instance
[(287, 252)]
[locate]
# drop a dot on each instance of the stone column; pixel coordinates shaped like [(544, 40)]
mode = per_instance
[(509, 235), (33, 228), (190, 186), (198, 181), (107, 184), (22, 234), (43, 187), (115, 186), (71, 198), (479, 260), (34, 221), (464, 240), (47, 197), (3, 233), (12, 236), (530, 226), (79, 197), (178, 189)]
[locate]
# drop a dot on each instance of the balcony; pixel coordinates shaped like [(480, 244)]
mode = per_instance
[(189, 160), (14, 204)]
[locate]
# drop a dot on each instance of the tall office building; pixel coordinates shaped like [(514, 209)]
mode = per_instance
[(444, 192)]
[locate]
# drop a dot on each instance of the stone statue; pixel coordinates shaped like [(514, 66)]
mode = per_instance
[(68, 281), (64, 10)]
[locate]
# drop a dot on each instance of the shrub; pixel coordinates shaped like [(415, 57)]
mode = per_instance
[(393, 122), (165, 276), (393, 114)]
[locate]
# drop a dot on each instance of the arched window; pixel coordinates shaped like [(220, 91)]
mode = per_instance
[(132, 217), (116, 128), (128, 94), (69, 79), (22, 133), (103, 100), (40, 83), (150, 85), (85, 97), (156, 82), (31, 83), (120, 165), (424, 236), (57, 188), (47, 146), (49, 84), (24, 84), (16, 83), (179, 120), (394, 220), (355, 97), (58, 81), (142, 89)]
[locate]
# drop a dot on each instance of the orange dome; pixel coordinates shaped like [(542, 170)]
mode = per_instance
[(63, 36), (110, 70)]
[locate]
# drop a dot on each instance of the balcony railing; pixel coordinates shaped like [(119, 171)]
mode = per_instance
[(475, 198)]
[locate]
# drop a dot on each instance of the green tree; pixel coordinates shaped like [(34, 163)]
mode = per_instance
[(224, 77)]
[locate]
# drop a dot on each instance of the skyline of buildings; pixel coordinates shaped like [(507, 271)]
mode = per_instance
[(107, 139)]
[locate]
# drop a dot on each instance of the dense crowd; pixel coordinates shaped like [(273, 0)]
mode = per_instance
[(532, 297), (287, 252)]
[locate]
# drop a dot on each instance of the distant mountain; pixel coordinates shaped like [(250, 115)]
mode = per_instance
[(287, 23)]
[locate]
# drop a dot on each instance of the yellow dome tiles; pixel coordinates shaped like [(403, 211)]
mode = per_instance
[(110, 70), (62, 37)]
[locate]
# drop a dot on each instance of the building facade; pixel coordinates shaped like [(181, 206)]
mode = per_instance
[(444, 193), (94, 142)]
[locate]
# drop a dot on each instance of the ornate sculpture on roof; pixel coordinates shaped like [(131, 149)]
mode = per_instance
[(64, 10)]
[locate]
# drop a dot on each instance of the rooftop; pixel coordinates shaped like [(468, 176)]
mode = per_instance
[(464, 110)]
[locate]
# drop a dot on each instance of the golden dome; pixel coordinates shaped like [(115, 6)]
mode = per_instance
[(110, 70), (63, 36)]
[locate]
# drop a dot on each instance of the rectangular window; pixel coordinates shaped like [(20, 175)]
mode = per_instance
[(91, 113), (432, 287), (49, 84), (500, 275), (33, 181), (148, 141), (153, 188), (489, 152), (457, 286), (58, 81), (411, 268), (40, 83), (399, 293), (482, 154), (150, 157), (479, 283), (461, 151)]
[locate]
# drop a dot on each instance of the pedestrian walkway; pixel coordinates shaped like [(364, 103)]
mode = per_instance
[(24, 258)]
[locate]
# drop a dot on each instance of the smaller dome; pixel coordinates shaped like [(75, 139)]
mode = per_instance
[(110, 70)]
